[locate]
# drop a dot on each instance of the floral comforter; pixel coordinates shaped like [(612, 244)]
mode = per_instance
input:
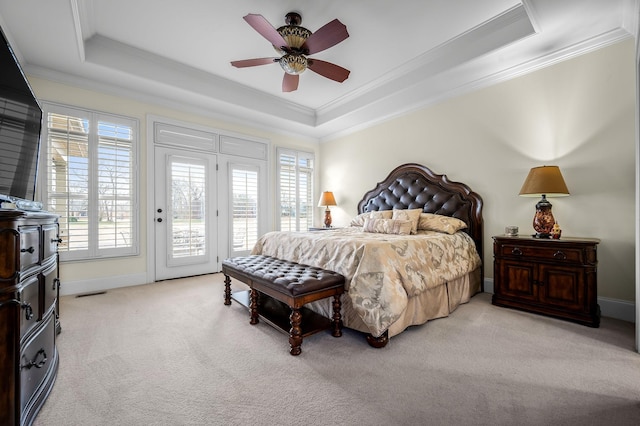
[(382, 271)]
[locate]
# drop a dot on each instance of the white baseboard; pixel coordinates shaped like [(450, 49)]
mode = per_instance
[(68, 288), (611, 308)]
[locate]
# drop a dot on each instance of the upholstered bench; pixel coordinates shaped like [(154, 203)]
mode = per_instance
[(290, 283)]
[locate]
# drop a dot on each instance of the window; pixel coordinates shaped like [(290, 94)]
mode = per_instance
[(89, 179), (244, 190), (295, 190)]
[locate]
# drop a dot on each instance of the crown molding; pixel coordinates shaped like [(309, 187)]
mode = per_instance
[(498, 32)]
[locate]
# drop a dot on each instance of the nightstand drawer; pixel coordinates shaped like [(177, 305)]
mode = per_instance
[(556, 254)]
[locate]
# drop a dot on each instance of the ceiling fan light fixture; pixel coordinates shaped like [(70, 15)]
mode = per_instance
[(294, 35), (293, 64), (294, 43)]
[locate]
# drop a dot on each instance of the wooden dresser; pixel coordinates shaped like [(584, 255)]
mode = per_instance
[(29, 287), (545, 276)]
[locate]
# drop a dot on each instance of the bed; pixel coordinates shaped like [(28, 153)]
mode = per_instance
[(412, 254)]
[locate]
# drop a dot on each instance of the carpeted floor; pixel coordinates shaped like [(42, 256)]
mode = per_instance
[(171, 353)]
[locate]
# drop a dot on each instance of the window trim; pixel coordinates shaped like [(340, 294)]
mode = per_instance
[(93, 252)]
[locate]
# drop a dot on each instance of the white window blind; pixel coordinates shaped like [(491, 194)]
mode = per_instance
[(295, 189), (187, 208), (244, 189), (90, 181)]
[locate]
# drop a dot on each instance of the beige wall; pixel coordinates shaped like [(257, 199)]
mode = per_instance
[(578, 114), (136, 267)]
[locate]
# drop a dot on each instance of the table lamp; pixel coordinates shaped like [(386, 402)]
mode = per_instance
[(545, 181), (327, 199)]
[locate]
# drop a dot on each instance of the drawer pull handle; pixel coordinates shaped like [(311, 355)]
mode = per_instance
[(56, 240), (56, 284), (38, 364), (30, 250), (560, 255), (28, 310), (516, 251)]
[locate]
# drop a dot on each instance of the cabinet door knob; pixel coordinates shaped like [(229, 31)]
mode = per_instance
[(516, 251), (560, 255)]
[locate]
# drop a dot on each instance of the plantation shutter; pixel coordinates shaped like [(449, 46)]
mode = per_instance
[(115, 184), (245, 214), (295, 190), (89, 180)]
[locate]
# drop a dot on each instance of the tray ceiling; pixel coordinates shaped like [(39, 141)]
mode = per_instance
[(402, 55)]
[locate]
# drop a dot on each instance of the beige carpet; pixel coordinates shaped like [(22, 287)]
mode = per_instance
[(171, 353)]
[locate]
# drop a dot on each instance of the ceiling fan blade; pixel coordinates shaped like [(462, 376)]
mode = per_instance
[(261, 25), (253, 62), (290, 82), (331, 34), (329, 70)]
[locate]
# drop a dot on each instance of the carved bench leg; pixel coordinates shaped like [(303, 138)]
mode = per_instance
[(295, 334), (337, 317), (227, 290), (253, 306)]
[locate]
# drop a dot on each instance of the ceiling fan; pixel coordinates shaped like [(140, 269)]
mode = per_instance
[(294, 43)]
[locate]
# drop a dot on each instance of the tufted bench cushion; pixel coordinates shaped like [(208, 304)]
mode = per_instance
[(289, 282), (291, 278)]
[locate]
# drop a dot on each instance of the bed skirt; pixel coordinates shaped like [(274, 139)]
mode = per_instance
[(434, 303)]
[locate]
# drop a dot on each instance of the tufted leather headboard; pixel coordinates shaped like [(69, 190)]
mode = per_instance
[(412, 186)]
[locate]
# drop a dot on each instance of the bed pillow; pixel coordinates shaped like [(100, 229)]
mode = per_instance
[(359, 220), (412, 215), (387, 226), (440, 223), (381, 214)]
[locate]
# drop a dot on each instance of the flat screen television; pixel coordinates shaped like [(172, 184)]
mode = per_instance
[(20, 126)]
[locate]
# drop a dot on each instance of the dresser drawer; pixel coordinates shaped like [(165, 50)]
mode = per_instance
[(29, 247), (555, 254), (36, 359), (49, 240), (29, 304), (50, 282)]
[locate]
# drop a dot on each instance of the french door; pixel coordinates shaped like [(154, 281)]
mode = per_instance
[(186, 232)]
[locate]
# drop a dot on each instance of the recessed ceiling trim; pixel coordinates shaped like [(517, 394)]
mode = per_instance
[(77, 24), (113, 54), (498, 32)]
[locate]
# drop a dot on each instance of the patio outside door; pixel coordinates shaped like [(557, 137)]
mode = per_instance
[(185, 213)]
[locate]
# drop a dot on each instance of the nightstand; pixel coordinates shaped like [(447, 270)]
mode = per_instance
[(545, 276)]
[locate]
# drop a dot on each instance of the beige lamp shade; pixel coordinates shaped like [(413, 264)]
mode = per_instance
[(327, 199), (544, 180)]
